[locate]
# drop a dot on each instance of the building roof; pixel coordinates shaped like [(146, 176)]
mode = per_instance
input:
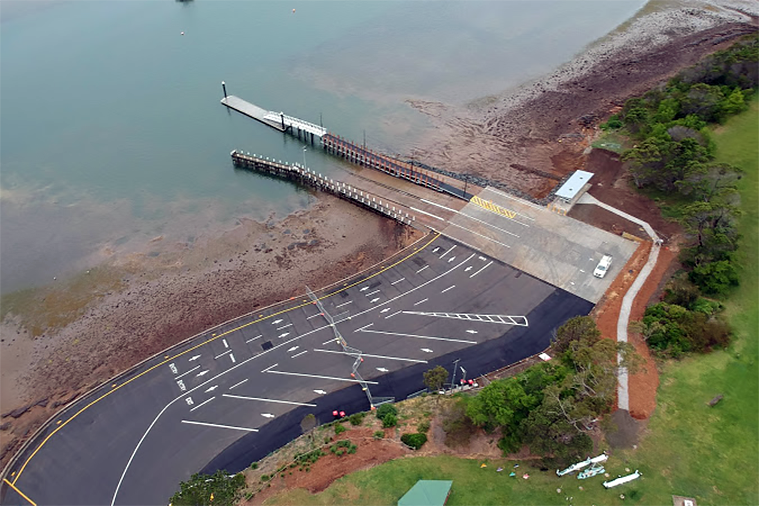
[(574, 184), (427, 493)]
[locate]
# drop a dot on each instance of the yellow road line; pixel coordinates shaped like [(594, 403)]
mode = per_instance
[(20, 492), (114, 389)]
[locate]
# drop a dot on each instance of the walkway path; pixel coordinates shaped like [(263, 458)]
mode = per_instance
[(623, 395)]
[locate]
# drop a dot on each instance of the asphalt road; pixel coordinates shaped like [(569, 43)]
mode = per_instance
[(232, 395)]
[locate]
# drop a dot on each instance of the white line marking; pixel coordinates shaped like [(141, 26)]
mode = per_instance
[(170, 403), (211, 389), (374, 300), (470, 331), (270, 367), (482, 269), (493, 226), (285, 326), (321, 392), (194, 357), (420, 270), (428, 214), (267, 415), (364, 289), (232, 356), (203, 403), (293, 349), (262, 399), (344, 304), (226, 345), (396, 282), (382, 369), (375, 356), (253, 339), (188, 372), (451, 259), (364, 327), (219, 426), (439, 205), (217, 356), (452, 248), (314, 316), (390, 316), (449, 288), (333, 340), (238, 384), (523, 202), (320, 377), (483, 236), (436, 249), (299, 354), (426, 350), (372, 293), (481, 257), (385, 310), (277, 321), (421, 301), (201, 373), (341, 314), (283, 335), (468, 269), (434, 338)]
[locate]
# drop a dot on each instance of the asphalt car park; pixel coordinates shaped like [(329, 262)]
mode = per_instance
[(231, 395)]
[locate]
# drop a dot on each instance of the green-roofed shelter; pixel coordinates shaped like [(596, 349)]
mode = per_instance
[(427, 493)]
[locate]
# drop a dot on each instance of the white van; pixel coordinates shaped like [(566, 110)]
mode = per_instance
[(602, 266)]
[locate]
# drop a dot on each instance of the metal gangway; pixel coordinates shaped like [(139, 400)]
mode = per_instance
[(295, 123)]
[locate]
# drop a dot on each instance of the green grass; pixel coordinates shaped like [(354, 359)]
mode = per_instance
[(610, 141), (690, 449)]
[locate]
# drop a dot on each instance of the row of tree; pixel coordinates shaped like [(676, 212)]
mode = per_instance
[(674, 153), (553, 406)]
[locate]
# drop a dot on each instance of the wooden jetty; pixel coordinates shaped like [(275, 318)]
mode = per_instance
[(308, 177), (251, 110), (277, 120)]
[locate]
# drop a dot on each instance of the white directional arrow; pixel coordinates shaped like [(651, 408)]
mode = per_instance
[(267, 415), (293, 348), (284, 335), (385, 310), (382, 369), (212, 388), (202, 373), (436, 250), (364, 289), (468, 269), (471, 331), (374, 300), (194, 357), (426, 350), (277, 321), (320, 392), (451, 259)]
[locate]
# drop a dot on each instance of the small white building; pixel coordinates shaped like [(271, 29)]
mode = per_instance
[(573, 187)]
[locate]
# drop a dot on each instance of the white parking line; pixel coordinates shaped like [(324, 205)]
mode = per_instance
[(390, 316), (320, 377), (439, 205), (434, 338), (285, 326), (344, 304), (420, 270), (421, 301), (226, 345), (483, 236), (187, 372), (396, 282), (428, 214), (299, 354), (232, 356), (262, 399), (203, 403), (314, 316), (238, 384), (333, 340), (449, 288), (253, 339), (452, 248), (483, 268), (364, 327), (372, 293), (270, 367), (220, 426), (375, 356), (217, 356)]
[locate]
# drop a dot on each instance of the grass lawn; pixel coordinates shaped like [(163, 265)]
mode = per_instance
[(690, 449)]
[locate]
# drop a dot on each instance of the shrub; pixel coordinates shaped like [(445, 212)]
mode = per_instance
[(339, 428), (249, 495), (415, 440), (715, 278), (264, 477), (386, 409), (389, 420), (356, 418), (254, 465), (424, 426), (379, 434)]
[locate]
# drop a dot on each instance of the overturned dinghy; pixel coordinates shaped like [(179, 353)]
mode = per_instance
[(579, 465), (622, 479), (592, 471)]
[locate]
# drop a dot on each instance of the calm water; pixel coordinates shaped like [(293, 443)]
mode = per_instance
[(111, 127)]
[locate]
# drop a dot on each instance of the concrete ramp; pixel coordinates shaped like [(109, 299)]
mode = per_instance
[(549, 246)]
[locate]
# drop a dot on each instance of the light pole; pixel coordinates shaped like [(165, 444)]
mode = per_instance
[(453, 381), (304, 157)]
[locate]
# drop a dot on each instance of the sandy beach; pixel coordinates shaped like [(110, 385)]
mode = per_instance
[(78, 333)]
